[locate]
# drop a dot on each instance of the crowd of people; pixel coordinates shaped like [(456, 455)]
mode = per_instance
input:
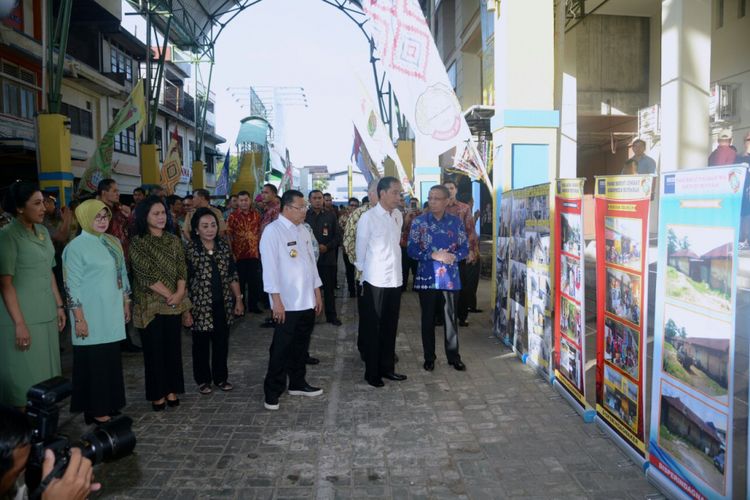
[(102, 270)]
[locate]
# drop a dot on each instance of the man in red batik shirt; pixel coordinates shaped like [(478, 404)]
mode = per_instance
[(243, 228)]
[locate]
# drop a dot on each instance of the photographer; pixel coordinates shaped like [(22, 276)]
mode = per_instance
[(15, 447)]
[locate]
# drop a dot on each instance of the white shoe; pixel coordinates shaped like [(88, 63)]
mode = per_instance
[(270, 406)]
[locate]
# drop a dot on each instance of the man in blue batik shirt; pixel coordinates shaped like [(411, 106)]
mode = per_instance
[(438, 241)]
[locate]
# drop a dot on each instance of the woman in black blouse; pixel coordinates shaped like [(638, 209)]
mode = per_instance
[(214, 290)]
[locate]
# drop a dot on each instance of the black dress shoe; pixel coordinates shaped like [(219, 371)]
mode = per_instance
[(429, 365), (463, 322), (159, 406), (375, 382), (335, 322), (394, 376), (475, 310), (458, 365), (173, 402), (312, 361), (305, 390)]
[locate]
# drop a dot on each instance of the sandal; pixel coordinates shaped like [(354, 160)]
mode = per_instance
[(204, 389), (225, 386)]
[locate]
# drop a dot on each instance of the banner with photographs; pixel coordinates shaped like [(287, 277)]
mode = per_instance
[(622, 210), (502, 311), (570, 315), (691, 432)]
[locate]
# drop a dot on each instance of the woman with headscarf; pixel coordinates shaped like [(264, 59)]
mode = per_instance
[(214, 289), (96, 282), (157, 258), (31, 310)]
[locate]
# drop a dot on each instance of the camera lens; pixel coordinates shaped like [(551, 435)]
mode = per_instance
[(110, 441)]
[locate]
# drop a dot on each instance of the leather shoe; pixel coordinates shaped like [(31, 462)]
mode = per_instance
[(458, 365), (463, 322), (312, 361), (394, 376), (429, 365), (375, 382), (335, 322)]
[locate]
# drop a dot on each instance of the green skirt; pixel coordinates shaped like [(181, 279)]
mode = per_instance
[(19, 370)]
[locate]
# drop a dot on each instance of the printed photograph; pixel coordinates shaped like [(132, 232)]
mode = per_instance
[(538, 208), (694, 434), (539, 290), (696, 351), (569, 363), (518, 217), (624, 295), (699, 265), (621, 347), (623, 243), (518, 326), (537, 246), (570, 227), (621, 397), (571, 278), (518, 250), (518, 282), (506, 210), (570, 320)]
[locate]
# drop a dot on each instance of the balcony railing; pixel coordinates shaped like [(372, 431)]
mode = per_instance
[(175, 99)]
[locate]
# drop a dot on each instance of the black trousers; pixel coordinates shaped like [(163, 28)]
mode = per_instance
[(429, 301), (250, 281), (328, 277), (407, 264), (350, 282), (214, 346), (162, 356), (379, 313), (467, 298), (291, 340)]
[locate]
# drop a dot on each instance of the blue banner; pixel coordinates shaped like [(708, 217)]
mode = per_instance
[(692, 404)]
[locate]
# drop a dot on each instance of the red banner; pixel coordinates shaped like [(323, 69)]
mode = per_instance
[(570, 313), (622, 210)]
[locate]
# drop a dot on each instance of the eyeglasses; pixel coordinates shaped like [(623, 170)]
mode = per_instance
[(303, 208), (101, 218)]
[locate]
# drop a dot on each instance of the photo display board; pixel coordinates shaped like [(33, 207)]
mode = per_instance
[(523, 307), (692, 408), (570, 313), (622, 214)]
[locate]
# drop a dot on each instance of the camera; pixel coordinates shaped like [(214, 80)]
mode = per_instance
[(109, 441)]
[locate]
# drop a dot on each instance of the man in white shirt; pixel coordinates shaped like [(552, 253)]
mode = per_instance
[(378, 258), (290, 277)]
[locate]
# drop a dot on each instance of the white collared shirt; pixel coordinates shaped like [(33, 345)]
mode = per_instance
[(377, 249), (289, 267)]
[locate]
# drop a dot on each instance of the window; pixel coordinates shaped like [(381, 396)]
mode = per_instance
[(719, 22), (191, 152), (452, 75), (159, 141), (120, 62), (125, 140), (81, 122), (210, 163), (18, 91)]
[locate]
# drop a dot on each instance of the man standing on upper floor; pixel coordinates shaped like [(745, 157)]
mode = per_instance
[(438, 242), (243, 229), (463, 212), (646, 164), (326, 230), (379, 261), (290, 277), (724, 154)]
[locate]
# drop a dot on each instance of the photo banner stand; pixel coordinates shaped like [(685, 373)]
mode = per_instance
[(618, 197), (699, 209), (501, 328), (569, 200)]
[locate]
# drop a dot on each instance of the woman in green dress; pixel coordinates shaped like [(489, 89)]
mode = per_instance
[(98, 290), (31, 310)]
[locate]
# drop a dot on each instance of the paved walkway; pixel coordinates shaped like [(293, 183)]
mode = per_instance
[(495, 431)]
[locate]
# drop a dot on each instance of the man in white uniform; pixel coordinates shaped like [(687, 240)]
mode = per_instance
[(290, 277), (378, 258)]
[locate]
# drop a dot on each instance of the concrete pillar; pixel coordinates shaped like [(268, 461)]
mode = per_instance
[(685, 83), (525, 126), (199, 175), (150, 165), (53, 153)]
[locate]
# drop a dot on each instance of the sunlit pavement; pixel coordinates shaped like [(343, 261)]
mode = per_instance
[(496, 430)]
